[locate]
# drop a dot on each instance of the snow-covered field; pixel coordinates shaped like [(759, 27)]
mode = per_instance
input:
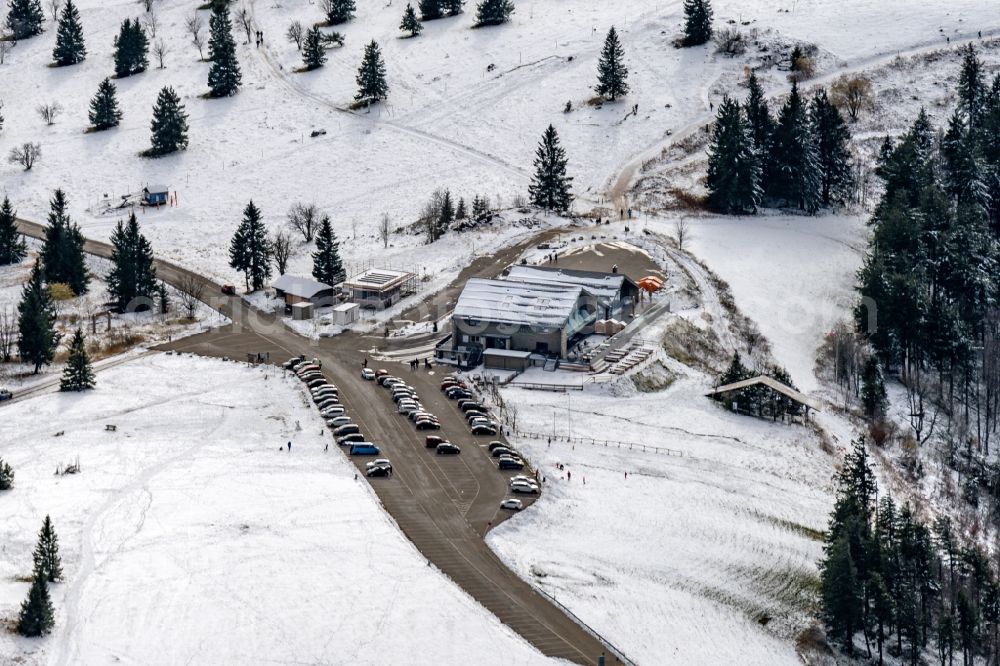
[(196, 540), (709, 558), (451, 121)]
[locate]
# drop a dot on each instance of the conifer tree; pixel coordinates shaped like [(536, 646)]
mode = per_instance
[(340, 11), (550, 186), (971, 87), (793, 172), (447, 215), (131, 49), (224, 77), (12, 246), (842, 603), (169, 127), (46, 556), (132, 280), (78, 374), (697, 22), (314, 50), (6, 476), (410, 23), (104, 111), (460, 212), (327, 266), (832, 149), (493, 12), (36, 617), (25, 18), (250, 249), (733, 166), (758, 116), (36, 322), (372, 86), (430, 10), (62, 254), (454, 7), (612, 75), (70, 48), (873, 396)]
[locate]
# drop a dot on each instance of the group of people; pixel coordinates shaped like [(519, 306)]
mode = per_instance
[(415, 363), (260, 37)]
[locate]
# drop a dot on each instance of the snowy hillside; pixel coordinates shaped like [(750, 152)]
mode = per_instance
[(195, 540)]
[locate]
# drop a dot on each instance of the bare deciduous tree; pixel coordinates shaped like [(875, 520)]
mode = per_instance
[(26, 155), (147, 5), (281, 248), (853, 93), (304, 218), (244, 19), (384, 229), (48, 112), (160, 50), (151, 21), (192, 289), (682, 232), (194, 25), (8, 334), (54, 7), (296, 34), (7, 44)]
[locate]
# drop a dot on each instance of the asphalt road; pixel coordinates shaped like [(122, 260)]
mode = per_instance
[(444, 504)]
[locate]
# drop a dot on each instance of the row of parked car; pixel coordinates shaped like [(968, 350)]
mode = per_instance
[(475, 412), (406, 399), (345, 432)]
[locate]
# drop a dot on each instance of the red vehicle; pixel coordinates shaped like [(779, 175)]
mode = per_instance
[(229, 290)]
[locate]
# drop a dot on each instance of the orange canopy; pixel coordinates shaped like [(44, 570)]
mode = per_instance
[(651, 283)]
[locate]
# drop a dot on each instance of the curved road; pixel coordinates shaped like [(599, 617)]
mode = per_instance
[(444, 504)]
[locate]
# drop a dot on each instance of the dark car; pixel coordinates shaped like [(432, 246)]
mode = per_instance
[(475, 414), (471, 406), (228, 290), (433, 440), (381, 379), (456, 393), (427, 424), (352, 438), (501, 451), (494, 444), (447, 448), (346, 429), (378, 470), (484, 430), (510, 463)]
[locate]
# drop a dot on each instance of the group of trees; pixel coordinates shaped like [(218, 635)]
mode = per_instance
[(759, 400), (132, 279), (37, 616), (441, 212), (904, 586), (6, 475), (800, 158), (930, 276), (435, 9)]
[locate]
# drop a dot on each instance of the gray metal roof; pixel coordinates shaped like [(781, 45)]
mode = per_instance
[(300, 286), (771, 383), (603, 286), (520, 303), (157, 189)]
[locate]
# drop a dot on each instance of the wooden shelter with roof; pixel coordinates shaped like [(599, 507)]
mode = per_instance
[(766, 397)]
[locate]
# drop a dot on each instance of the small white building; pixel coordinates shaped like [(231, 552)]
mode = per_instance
[(302, 311), (346, 313)]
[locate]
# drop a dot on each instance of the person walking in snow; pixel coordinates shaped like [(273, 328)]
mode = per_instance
[(289, 446)]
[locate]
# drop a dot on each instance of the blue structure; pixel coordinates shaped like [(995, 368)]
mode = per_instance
[(155, 195)]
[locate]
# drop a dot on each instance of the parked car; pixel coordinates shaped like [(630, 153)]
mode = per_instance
[(327, 403), (378, 462), (347, 440), (512, 504), (475, 414), (498, 451), (381, 379), (368, 374), (304, 367), (364, 449), (311, 375), (319, 381), (521, 478), (338, 421), (509, 462), (482, 421), (346, 429), (5, 395), (433, 440), (447, 448), (381, 372), (228, 290), (421, 414), (426, 424), (484, 430), (378, 471), (292, 363), (325, 393), (333, 412), (406, 407), (522, 487), (457, 393), (494, 444), (471, 406)]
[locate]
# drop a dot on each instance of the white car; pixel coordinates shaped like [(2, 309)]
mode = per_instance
[(522, 487), (332, 412), (368, 374), (379, 462), (523, 477), (338, 421), (512, 504)]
